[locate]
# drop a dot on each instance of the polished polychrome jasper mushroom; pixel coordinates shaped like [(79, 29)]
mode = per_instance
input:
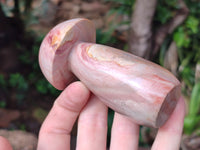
[(137, 88)]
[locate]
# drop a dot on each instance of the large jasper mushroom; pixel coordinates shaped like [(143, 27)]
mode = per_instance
[(137, 88)]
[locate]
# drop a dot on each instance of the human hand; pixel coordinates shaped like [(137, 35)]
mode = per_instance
[(92, 125)]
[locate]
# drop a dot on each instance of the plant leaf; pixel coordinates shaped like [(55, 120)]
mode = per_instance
[(195, 100)]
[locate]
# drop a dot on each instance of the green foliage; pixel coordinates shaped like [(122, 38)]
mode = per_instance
[(25, 58), (16, 84), (41, 86), (20, 85), (30, 58), (124, 7), (105, 37), (195, 100), (192, 120), (17, 81), (164, 14), (2, 81), (110, 121), (165, 10), (187, 37), (2, 104), (3, 86), (44, 87), (53, 91), (119, 7), (22, 127), (193, 24), (181, 38)]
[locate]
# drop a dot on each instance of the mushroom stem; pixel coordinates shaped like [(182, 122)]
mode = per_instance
[(126, 83)]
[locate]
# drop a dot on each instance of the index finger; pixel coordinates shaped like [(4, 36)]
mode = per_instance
[(55, 131)]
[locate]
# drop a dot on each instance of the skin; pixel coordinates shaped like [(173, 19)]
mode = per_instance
[(76, 101), (4, 144), (92, 125)]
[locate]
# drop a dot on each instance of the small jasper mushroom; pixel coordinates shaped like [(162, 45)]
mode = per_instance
[(132, 86)]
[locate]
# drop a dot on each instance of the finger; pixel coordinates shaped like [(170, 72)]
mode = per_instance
[(169, 135), (4, 144), (55, 131), (124, 135), (92, 126)]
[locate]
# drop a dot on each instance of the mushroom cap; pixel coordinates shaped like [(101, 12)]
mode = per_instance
[(56, 47)]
